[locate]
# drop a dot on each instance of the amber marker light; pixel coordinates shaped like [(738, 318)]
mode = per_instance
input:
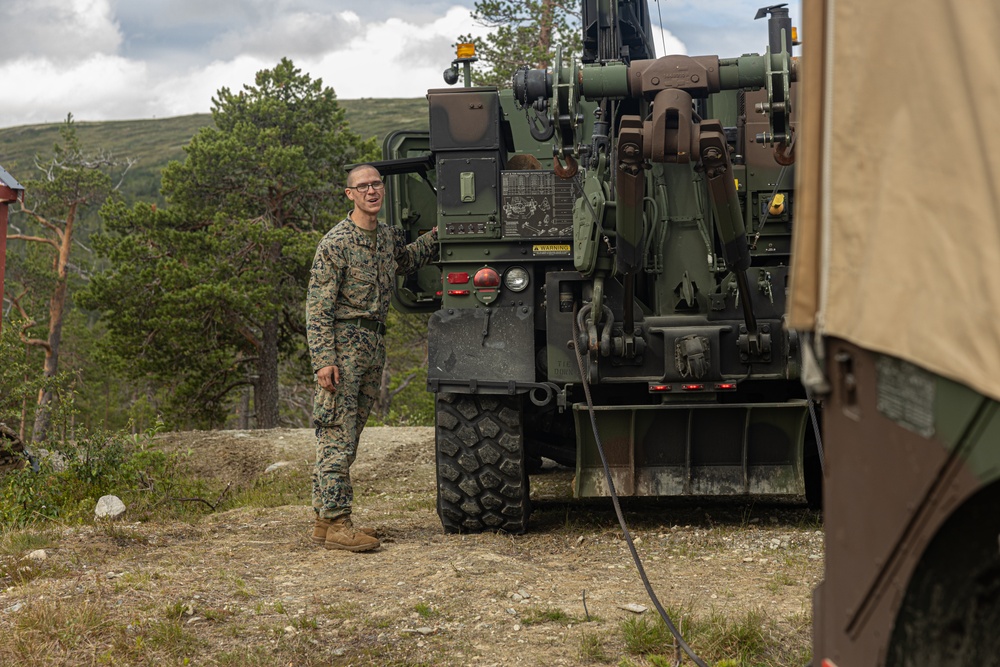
[(466, 50), (777, 205)]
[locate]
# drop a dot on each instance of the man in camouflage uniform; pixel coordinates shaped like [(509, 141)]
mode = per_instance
[(346, 307)]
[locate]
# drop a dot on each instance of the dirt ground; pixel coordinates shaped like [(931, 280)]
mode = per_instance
[(248, 584)]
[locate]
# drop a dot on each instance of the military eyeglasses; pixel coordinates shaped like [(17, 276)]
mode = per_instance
[(363, 188)]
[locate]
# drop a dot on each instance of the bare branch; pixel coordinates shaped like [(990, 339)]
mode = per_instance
[(129, 163), (402, 385), (34, 239), (42, 220), (79, 270), (202, 500), (217, 396), (27, 324)]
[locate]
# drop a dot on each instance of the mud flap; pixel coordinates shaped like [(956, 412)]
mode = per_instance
[(480, 344), (693, 450)]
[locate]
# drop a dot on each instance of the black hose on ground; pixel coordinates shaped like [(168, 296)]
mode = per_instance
[(621, 517)]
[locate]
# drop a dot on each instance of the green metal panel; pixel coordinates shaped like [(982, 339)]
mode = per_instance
[(965, 418), (955, 406)]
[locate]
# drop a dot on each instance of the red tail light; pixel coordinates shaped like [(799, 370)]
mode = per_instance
[(486, 277), (458, 278)]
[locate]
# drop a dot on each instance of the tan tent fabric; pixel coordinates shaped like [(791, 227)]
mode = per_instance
[(909, 187), (804, 283)]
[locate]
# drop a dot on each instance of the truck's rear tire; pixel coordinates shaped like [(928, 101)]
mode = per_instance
[(481, 473), (951, 610)]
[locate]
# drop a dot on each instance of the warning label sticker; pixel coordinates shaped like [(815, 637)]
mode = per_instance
[(550, 249)]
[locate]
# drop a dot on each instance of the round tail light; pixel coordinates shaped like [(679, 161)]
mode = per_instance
[(486, 277)]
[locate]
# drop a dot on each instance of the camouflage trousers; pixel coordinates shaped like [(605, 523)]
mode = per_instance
[(340, 416)]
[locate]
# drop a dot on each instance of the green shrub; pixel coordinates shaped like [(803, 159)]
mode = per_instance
[(95, 464)]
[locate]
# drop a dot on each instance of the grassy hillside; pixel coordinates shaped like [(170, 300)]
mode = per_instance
[(157, 141)]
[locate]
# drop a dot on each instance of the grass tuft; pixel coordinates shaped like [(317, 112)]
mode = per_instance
[(288, 486), (592, 648), (424, 610), (745, 640), (20, 542), (552, 615), (121, 535), (305, 623), (643, 636)]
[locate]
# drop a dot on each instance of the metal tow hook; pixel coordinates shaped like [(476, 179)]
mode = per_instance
[(567, 171)]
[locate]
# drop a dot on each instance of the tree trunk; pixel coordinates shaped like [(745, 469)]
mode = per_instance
[(266, 388), (545, 30), (243, 421), (23, 429), (57, 308)]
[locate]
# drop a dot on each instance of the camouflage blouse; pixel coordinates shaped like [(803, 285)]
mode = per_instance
[(352, 277)]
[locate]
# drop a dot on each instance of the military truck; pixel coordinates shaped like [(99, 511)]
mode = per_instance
[(894, 280), (615, 240)]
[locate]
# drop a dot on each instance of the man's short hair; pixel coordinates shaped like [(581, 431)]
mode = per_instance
[(355, 170)]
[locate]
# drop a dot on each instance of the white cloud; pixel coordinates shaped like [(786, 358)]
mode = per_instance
[(394, 58), (192, 92), (98, 87), (389, 58), (351, 18), (64, 30), (116, 59), (292, 34), (665, 43), (385, 58)]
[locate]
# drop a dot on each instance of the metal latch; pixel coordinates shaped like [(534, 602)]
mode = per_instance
[(467, 186)]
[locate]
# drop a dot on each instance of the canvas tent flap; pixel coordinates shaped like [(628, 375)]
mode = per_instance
[(900, 233)]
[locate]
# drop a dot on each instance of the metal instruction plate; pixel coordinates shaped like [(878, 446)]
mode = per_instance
[(536, 204), (906, 395)]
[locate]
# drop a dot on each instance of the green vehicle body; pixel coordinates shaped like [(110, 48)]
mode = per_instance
[(692, 395)]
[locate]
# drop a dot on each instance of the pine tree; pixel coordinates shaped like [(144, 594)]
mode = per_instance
[(207, 294), (525, 34)]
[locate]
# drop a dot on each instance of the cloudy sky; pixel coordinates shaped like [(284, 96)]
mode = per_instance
[(125, 59)]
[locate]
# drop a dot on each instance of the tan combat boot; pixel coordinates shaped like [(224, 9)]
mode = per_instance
[(319, 530), (341, 534)]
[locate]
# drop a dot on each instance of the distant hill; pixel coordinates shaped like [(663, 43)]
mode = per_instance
[(157, 141)]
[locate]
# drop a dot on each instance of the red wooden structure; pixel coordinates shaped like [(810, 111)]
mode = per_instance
[(10, 192)]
